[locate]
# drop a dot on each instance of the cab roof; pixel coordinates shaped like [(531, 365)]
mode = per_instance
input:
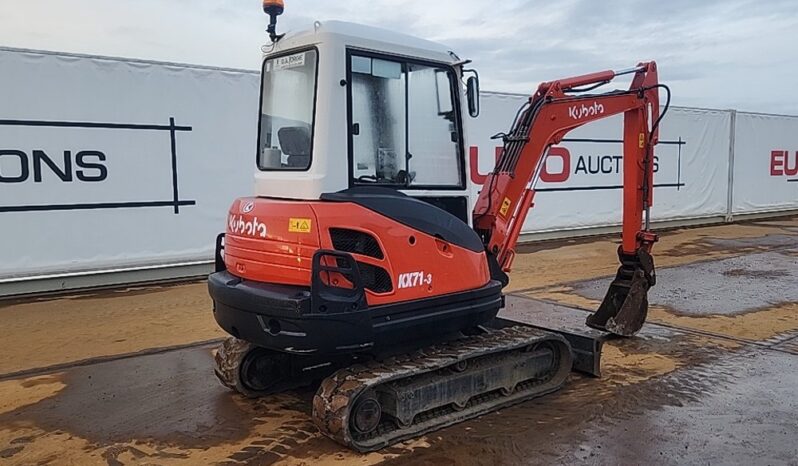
[(368, 38)]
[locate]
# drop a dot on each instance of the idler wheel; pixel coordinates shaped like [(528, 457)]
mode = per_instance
[(366, 414), (262, 370), (250, 370)]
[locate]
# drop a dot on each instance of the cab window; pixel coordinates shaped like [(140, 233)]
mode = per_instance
[(403, 126), (287, 111)]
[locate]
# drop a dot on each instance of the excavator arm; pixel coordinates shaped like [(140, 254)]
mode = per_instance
[(509, 191)]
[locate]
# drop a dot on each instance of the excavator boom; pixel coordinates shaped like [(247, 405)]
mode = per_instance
[(509, 191)]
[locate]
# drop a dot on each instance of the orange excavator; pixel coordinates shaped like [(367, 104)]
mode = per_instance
[(355, 264)]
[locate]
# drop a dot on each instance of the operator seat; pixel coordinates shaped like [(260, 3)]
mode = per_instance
[(295, 142)]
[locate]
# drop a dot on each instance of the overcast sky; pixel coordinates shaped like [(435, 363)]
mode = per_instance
[(713, 53)]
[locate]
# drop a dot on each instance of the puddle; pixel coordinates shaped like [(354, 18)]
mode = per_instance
[(720, 287)]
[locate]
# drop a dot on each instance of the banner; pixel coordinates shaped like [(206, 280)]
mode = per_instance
[(581, 183), (765, 163), (111, 164), (107, 163)]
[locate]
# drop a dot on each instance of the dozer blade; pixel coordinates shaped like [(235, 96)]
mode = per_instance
[(625, 305)]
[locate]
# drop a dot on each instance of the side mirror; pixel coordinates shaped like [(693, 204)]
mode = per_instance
[(472, 92)]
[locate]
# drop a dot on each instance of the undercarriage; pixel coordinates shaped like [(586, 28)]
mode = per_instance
[(367, 403)]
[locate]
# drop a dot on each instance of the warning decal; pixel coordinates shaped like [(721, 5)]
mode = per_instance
[(299, 225), (505, 207)]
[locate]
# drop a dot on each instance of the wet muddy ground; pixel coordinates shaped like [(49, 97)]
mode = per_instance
[(125, 377)]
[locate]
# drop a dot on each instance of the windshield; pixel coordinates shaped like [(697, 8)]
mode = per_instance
[(286, 121), (404, 123)]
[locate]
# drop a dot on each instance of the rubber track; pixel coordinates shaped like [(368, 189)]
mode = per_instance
[(228, 363), (338, 393)]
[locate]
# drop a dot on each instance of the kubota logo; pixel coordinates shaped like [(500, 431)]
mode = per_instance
[(238, 225), (248, 207), (577, 112)]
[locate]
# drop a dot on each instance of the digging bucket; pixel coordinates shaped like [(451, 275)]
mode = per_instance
[(625, 306)]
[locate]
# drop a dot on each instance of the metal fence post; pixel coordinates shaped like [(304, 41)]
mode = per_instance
[(732, 138)]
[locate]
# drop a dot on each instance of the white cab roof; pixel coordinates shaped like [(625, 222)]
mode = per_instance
[(366, 37)]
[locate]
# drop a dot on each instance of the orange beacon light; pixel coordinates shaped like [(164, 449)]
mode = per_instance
[(273, 8)]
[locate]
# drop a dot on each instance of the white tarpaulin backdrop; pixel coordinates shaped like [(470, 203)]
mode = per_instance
[(116, 115), (107, 164), (765, 163)]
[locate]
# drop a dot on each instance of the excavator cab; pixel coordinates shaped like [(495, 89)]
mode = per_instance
[(346, 106)]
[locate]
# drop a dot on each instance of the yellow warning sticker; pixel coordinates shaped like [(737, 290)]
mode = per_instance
[(505, 206), (299, 225), (642, 140)]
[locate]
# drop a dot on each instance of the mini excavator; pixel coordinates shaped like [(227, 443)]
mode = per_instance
[(359, 263)]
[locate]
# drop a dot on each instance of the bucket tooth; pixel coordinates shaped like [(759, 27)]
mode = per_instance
[(625, 306)]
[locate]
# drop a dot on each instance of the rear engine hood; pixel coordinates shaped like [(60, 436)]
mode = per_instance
[(271, 241)]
